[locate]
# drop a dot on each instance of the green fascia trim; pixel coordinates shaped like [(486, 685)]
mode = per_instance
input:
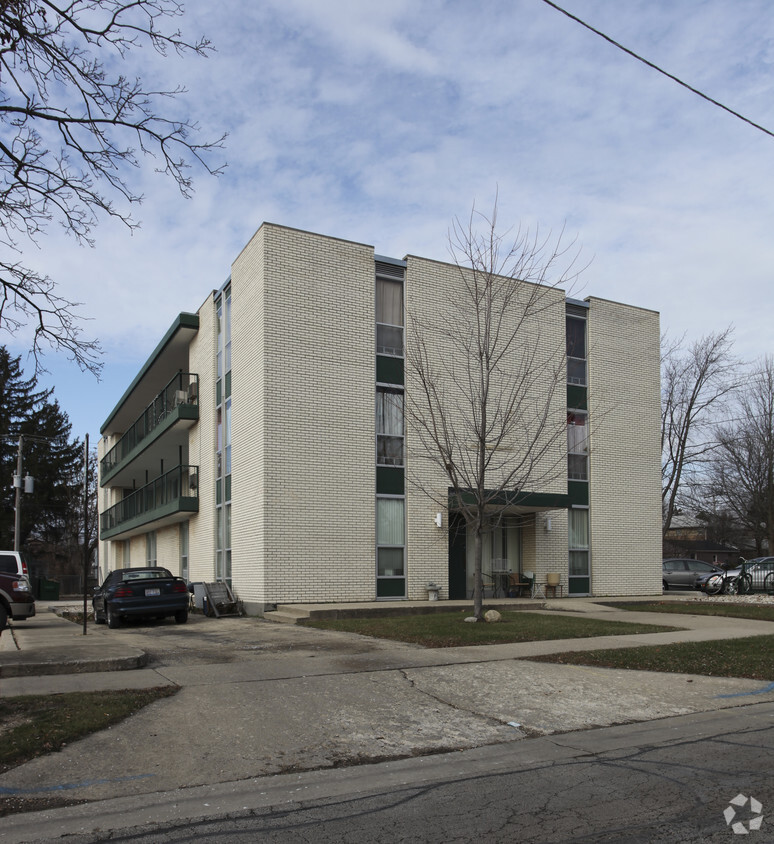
[(515, 498), (179, 505), (577, 397), (389, 370), (394, 587), (183, 320), (188, 412), (390, 480), (578, 492)]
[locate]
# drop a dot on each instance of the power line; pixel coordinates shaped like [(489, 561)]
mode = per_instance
[(657, 68)]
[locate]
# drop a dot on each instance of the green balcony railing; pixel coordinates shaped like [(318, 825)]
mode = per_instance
[(183, 389), (174, 491)]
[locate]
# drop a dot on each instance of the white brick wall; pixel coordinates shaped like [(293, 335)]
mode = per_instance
[(625, 460), (303, 436)]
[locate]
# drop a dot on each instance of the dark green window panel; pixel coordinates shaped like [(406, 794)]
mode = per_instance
[(579, 586), (578, 491), (394, 587), (577, 397), (218, 492), (390, 480), (228, 487), (228, 384), (389, 370), (218, 392)]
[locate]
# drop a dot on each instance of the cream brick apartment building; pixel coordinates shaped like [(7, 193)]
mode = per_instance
[(264, 442)]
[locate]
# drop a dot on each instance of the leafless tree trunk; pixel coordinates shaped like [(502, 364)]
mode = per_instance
[(488, 406), (696, 384)]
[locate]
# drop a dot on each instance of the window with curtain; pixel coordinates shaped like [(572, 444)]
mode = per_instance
[(390, 536), (578, 529), (389, 427), (389, 317)]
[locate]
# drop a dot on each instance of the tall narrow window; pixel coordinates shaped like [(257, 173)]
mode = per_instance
[(390, 536), (576, 351), (577, 445), (150, 548), (389, 427), (389, 317), (578, 524), (184, 550)]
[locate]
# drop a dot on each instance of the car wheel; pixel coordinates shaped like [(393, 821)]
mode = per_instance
[(181, 617), (98, 619), (665, 586), (3, 617), (113, 619)]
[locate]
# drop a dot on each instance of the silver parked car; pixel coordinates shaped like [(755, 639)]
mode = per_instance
[(681, 573)]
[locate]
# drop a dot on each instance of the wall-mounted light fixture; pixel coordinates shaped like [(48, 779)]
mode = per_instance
[(548, 524), (438, 519)]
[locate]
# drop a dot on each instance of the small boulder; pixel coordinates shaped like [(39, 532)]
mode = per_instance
[(491, 616), (471, 618)]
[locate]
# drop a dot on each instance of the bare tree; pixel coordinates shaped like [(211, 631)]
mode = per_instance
[(73, 127), (696, 383), (488, 403), (744, 464)]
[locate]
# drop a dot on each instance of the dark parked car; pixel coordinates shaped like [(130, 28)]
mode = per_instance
[(147, 592), (683, 573), (16, 599)]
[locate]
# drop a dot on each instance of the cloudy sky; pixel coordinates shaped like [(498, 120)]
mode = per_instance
[(379, 121)]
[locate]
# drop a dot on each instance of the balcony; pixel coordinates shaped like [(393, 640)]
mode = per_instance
[(170, 498), (176, 406)]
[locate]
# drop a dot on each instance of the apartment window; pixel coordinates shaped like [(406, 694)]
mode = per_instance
[(183, 536), (577, 445), (150, 548), (576, 351), (578, 525), (390, 536), (389, 427), (389, 317)]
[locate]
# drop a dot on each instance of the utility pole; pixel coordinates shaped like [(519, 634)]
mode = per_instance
[(28, 483), (17, 482)]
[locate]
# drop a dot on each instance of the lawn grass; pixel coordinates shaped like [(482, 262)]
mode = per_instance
[(33, 725), (756, 612), (751, 657), (449, 630)]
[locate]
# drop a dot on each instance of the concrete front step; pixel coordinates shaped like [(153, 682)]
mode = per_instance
[(293, 613)]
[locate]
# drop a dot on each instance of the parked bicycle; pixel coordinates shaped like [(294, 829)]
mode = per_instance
[(738, 582)]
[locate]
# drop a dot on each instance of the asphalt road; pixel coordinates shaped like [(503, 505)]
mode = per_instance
[(664, 781)]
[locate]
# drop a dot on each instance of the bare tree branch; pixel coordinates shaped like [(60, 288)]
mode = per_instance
[(71, 133), (488, 406)]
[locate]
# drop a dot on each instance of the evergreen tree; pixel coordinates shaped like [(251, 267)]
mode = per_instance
[(48, 456)]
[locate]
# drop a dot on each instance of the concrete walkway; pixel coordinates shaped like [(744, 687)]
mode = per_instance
[(258, 699)]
